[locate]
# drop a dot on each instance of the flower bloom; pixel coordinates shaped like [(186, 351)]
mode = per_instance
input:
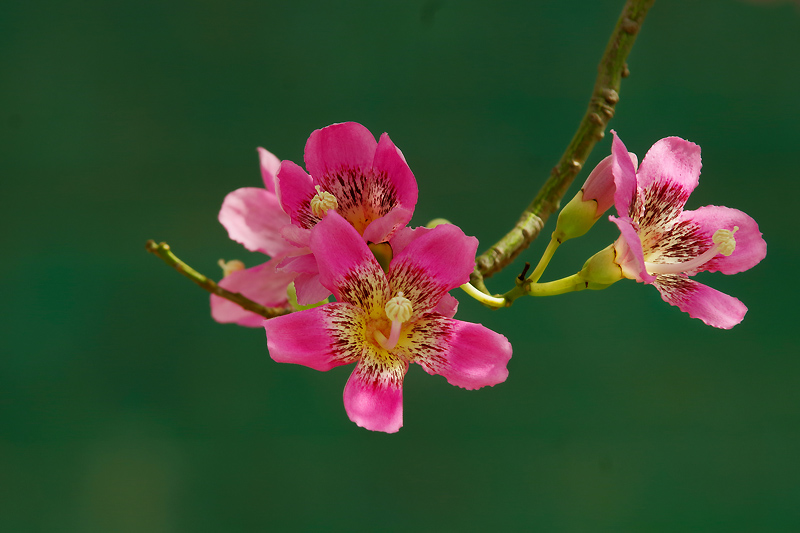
[(663, 245), (382, 321), (367, 182)]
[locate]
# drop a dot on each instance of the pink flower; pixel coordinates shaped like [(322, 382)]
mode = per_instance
[(368, 183), (383, 321), (255, 218), (663, 245)]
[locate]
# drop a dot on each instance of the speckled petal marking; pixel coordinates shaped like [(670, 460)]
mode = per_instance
[(655, 210), (425, 341), (346, 325), (416, 284), (365, 286), (682, 242)]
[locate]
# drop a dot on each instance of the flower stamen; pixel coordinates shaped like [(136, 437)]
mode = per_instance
[(398, 310), (322, 201), (229, 267), (724, 243)]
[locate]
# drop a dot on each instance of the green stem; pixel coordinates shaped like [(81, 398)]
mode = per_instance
[(572, 283), (545, 260), (163, 251), (485, 299), (592, 127)]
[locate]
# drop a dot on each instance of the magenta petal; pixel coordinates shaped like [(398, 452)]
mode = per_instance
[(254, 218), (346, 145), (347, 266), (295, 190), (310, 338), (473, 355), (309, 289), (433, 264), (447, 306), (389, 161), (375, 402), (269, 168), (261, 283), (624, 172), (672, 162), (404, 236), (750, 245), (715, 308), (381, 229), (630, 256)]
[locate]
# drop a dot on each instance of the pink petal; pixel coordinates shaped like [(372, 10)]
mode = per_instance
[(295, 190), (403, 237), (624, 171), (262, 284), (254, 218), (433, 264), (269, 168), (671, 163), (468, 355), (347, 266), (629, 251), (389, 161), (715, 308), (300, 237), (373, 396), (348, 145), (309, 289), (447, 306), (320, 338), (750, 245), (382, 228)]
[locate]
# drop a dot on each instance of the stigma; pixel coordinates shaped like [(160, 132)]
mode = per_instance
[(724, 243), (322, 201), (399, 311)]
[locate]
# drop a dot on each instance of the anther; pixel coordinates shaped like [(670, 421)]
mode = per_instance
[(322, 201), (398, 310), (725, 241)]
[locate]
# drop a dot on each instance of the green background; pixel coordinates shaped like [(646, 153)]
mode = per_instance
[(125, 408)]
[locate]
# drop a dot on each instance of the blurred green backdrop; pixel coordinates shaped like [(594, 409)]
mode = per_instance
[(125, 408)]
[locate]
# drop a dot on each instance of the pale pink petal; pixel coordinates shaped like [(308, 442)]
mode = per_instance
[(373, 396), (624, 171), (269, 168), (468, 355), (671, 163), (389, 161), (347, 266), (599, 186), (309, 289), (348, 145), (715, 308), (254, 218), (629, 251), (320, 338), (295, 190), (382, 228), (431, 265), (262, 284), (300, 237), (750, 245), (447, 306), (403, 236)]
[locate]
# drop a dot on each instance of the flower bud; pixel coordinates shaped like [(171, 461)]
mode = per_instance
[(594, 198), (601, 270)]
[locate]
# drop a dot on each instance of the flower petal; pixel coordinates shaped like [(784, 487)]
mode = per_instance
[(447, 306), (382, 228), (269, 168), (624, 171), (750, 245), (373, 396), (254, 218), (468, 355), (348, 145), (320, 338), (433, 264), (628, 248), (262, 284), (295, 190), (389, 161), (346, 265), (715, 308)]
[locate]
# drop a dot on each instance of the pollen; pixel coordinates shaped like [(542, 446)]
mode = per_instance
[(399, 308), (322, 201), (228, 267), (725, 241)]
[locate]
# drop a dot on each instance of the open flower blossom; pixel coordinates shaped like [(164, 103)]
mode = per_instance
[(663, 245), (254, 217), (382, 321), (367, 182)]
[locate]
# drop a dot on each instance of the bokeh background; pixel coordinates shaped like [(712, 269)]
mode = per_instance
[(125, 408)]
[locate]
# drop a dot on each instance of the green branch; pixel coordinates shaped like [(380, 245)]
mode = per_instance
[(163, 251), (604, 98)]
